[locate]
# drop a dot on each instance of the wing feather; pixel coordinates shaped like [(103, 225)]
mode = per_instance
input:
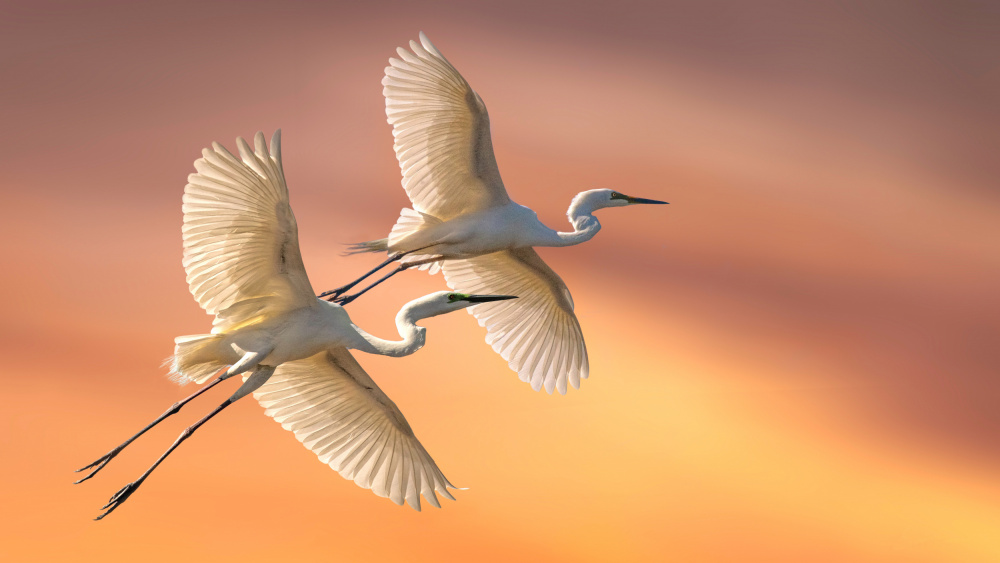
[(240, 235), (442, 134), (538, 333), (335, 409)]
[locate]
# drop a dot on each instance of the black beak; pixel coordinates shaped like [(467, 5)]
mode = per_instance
[(488, 298), (644, 200)]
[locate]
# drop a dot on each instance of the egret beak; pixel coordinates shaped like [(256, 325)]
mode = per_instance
[(644, 200), (488, 298)]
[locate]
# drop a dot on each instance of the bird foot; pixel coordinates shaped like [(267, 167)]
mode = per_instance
[(97, 465), (344, 300), (333, 293), (118, 498)]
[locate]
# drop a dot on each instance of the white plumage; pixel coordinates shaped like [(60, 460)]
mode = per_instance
[(537, 334), (240, 237), (442, 133), (243, 264), (336, 410), (463, 218)]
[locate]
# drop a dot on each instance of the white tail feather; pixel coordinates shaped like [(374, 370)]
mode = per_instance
[(196, 358), (410, 222), (380, 245)]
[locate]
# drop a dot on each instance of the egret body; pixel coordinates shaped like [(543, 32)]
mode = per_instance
[(464, 222), (243, 264)]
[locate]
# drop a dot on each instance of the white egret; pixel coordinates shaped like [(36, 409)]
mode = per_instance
[(243, 264), (464, 222)]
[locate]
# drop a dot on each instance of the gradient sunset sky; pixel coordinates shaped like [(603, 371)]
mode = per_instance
[(797, 360)]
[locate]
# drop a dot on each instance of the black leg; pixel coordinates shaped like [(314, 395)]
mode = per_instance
[(103, 460), (260, 375), (334, 293), (122, 495), (348, 298)]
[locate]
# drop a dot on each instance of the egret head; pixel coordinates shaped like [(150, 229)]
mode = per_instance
[(443, 302), (592, 200)]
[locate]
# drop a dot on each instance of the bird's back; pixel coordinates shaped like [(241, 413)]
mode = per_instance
[(502, 228), (481, 232), (301, 333)]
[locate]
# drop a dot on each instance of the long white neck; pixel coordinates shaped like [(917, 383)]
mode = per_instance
[(406, 323), (585, 225)]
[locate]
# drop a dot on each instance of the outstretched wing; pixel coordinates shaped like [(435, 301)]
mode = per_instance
[(241, 243), (442, 134), (336, 410), (538, 333)]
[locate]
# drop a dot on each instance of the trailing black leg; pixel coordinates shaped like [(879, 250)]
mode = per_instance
[(349, 298), (334, 293), (176, 407), (260, 375)]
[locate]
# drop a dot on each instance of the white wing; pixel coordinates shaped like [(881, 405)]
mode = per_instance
[(336, 410), (442, 134), (537, 333), (241, 242)]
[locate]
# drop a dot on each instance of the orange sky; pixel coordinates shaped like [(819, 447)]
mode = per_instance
[(795, 361)]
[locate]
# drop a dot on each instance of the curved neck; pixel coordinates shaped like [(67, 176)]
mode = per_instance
[(585, 225), (413, 336)]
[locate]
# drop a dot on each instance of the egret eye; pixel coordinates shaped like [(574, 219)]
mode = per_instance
[(452, 297), (615, 195)]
